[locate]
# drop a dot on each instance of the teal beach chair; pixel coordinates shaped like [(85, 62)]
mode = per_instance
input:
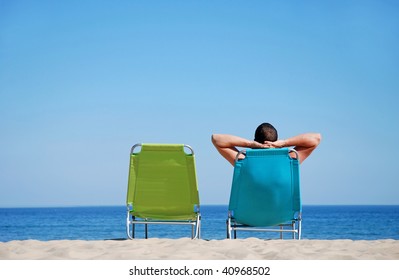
[(265, 193), (162, 188)]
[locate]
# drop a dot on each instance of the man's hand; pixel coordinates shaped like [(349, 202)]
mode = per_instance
[(257, 145), (275, 144), (268, 144)]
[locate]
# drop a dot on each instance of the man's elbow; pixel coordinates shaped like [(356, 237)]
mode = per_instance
[(316, 139), (214, 139), (218, 140)]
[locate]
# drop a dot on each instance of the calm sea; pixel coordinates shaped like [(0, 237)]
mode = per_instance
[(102, 223)]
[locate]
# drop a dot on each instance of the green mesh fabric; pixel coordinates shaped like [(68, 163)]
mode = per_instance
[(162, 183)]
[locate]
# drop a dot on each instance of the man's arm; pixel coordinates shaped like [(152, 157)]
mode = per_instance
[(226, 145), (304, 144)]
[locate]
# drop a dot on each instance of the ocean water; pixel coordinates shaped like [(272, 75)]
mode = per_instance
[(103, 223)]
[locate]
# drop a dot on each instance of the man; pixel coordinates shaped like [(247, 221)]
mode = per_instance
[(265, 137)]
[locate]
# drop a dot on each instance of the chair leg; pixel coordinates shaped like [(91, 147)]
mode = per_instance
[(129, 223), (199, 227), (199, 230), (293, 230), (196, 228), (133, 228), (299, 229), (128, 226), (146, 231), (228, 228)]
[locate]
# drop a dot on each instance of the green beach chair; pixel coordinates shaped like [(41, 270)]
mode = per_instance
[(265, 193), (162, 188)]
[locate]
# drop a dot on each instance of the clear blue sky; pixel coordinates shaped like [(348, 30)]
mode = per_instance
[(82, 81)]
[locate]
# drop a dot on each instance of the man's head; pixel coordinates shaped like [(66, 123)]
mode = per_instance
[(265, 132)]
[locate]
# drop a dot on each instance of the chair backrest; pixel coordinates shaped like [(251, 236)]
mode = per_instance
[(162, 182), (265, 189)]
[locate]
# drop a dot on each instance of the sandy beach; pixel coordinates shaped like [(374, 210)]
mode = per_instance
[(187, 249)]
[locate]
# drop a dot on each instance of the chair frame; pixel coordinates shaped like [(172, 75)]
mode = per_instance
[(131, 220), (232, 226)]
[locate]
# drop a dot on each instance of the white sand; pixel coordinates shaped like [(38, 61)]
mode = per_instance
[(187, 249)]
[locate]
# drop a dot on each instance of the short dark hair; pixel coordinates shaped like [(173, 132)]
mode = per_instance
[(265, 132)]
